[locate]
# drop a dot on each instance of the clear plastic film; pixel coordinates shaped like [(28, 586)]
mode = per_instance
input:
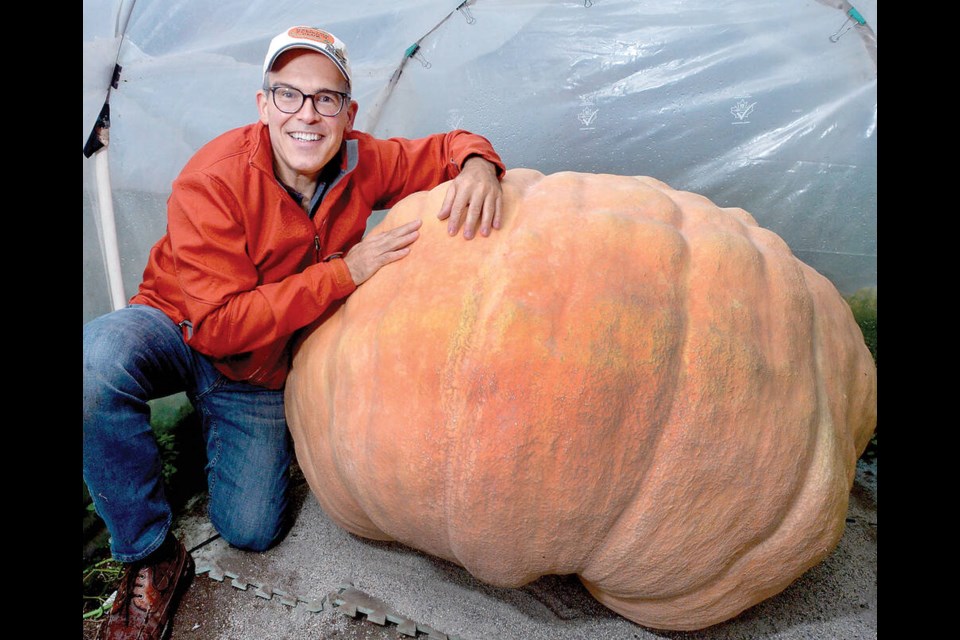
[(768, 105)]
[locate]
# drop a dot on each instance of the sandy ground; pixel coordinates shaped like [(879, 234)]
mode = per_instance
[(308, 575)]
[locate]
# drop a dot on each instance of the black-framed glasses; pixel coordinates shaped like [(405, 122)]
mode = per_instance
[(327, 103)]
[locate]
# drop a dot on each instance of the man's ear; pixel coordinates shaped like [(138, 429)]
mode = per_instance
[(351, 115), (262, 106)]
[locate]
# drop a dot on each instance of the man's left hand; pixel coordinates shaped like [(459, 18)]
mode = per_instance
[(474, 197)]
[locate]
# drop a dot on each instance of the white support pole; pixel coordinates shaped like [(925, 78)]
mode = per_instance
[(108, 228)]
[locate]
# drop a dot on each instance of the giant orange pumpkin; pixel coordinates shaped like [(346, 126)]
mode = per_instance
[(625, 382)]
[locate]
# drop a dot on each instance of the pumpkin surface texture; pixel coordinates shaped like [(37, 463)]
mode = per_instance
[(625, 382)]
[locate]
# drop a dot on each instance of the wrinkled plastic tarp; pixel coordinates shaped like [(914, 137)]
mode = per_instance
[(749, 102)]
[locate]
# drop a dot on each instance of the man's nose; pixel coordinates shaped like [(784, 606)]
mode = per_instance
[(308, 110)]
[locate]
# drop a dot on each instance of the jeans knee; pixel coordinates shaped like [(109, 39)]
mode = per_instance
[(99, 356), (135, 352), (109, 361), (252, 534)]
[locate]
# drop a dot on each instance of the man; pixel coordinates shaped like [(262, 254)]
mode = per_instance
[(265, 231)]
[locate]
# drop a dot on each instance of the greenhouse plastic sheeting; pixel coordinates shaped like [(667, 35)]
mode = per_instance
[(768, 105)]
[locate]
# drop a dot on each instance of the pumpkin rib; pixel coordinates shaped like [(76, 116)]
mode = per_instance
[(758, 250), (820, 546), (719, 581), (560, 314), (454, 411), (721, 597), (326, 482), (459, 348), (675, 221), (480, 314), (375, 337), (585, 195)]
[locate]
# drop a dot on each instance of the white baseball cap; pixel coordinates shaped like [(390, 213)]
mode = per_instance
[(309, 38)]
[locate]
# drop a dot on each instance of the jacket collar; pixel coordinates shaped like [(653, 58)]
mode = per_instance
[(261, 155)]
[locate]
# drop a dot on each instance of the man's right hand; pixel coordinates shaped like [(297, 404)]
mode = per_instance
[(371, 253)]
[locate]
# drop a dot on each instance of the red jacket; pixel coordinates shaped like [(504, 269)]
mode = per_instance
[(242, 267)]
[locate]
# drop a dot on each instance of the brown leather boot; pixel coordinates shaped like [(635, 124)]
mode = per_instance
[(148, 594)]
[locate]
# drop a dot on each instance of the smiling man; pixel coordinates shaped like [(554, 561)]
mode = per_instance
[(265, 231)]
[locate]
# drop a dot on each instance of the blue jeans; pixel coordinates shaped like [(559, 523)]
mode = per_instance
[(136, 354)]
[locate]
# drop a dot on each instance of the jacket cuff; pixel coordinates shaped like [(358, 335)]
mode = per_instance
[(494, 160), (341, 277)]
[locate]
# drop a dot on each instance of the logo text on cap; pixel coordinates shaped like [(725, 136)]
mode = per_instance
[(308, 33)]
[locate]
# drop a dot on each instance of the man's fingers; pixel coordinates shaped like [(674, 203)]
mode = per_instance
[(472, 201), (491, 216), (404, 234), (498, 212), (394, 239), (406, 227), (460, 200), (373, 252), (393, 256), (447, 205), (465, 211), (474, 211)]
